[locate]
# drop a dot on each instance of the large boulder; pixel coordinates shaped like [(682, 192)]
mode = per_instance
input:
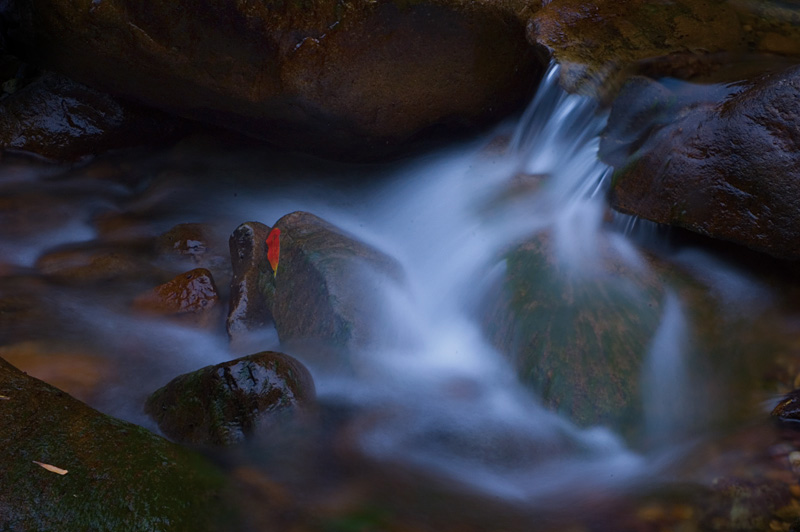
[(225, 404), (323, 75), (118, 476), (328, 284), (728, 169)]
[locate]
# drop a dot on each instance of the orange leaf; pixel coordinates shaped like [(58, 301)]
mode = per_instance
[(274, 249), (51, 468)]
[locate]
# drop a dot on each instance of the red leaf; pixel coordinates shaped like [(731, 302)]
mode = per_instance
[(274, 248)]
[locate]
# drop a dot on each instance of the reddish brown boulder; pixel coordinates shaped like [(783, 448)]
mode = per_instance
[(191, 296)]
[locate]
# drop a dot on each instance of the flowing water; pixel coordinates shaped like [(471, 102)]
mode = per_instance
[(440, 400)]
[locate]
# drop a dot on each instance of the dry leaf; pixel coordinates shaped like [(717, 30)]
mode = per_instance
[(51, 468)]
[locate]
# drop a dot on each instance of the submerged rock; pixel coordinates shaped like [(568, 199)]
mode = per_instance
[(578, 339), (354, 77), (252, 281), (59, 119), (195, 244), (118, 476), (92, 263), (729, 170), (327, 286), (225, 404), (191, 296)]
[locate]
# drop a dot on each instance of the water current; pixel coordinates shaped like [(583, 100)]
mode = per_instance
[(442, 400)]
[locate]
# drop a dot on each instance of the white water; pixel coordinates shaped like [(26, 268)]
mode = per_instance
[(442, 400)]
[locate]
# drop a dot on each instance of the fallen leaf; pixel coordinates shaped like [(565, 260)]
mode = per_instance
[(274, 249), (52, 468)]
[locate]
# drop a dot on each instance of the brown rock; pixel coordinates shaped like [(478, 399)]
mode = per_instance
[(95, 264), (322, 75), (729, 170), (195, 245), (598, 42), (191, 296)]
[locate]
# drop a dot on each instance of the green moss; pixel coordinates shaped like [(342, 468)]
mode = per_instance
[(120, 476)]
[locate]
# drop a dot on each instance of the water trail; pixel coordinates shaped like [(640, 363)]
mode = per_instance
[(668, 405)]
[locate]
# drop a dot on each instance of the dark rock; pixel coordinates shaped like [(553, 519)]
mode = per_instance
[(119, 476), (327, 283), (252, 281), (730, 170), (191, 296), (335, 77), (788, 409), (59, 119), (225, 404)]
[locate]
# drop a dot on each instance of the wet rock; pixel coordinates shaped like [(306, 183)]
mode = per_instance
[(119, 476), (788, 408), (578, 339), (57, 118), (228, 403), (599, 41), (728, 170), (191, 297), (327, 286), (334, 77), (196, 245), (252, 281)]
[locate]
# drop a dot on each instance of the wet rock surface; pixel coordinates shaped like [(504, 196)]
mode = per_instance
[(252, 282), (326, 283), (728, 170), (57, 118), (119, 476), (228, 403), (331, 77), (599, 42), (191, 296)]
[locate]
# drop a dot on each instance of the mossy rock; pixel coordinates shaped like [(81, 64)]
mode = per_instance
[(119, 476), (578, 339)]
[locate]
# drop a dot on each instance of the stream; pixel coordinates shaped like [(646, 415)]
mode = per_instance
[(433, 403)]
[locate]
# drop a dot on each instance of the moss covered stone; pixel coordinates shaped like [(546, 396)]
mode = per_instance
[(119, 476)]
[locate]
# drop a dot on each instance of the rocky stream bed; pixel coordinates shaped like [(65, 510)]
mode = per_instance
[(400, 266)]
